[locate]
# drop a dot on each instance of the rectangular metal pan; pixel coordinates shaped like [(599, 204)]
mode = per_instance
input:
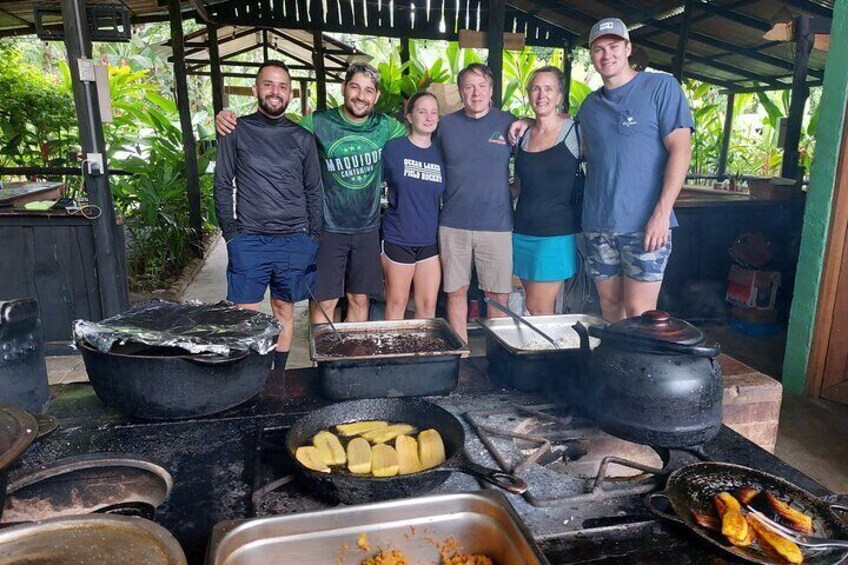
[(482, 523), (421, 373), (521, 359)]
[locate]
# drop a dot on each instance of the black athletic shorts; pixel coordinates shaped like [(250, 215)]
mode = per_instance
[(407, 254), (349, 263)]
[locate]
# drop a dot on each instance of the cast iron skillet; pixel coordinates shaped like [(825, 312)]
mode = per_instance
[(693, 487), (342, 486)]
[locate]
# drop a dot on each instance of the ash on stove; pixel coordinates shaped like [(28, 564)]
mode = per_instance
[(565, 459), (578, 451)]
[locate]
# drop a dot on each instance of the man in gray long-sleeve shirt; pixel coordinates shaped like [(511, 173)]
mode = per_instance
[(268, 197)]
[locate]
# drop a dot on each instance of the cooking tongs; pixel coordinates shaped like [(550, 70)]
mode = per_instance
[(521, 320), (792, 535)]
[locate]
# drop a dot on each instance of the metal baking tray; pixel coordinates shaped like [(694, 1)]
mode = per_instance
[(521, 359), (481, 522), (420, 373)]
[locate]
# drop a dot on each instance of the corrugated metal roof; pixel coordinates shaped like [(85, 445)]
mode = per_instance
[(725, 44)]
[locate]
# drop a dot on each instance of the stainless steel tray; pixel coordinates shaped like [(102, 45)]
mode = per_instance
[(376, 330), (518, 339), (482, 522)]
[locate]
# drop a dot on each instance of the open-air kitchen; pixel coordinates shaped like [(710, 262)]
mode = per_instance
[(527, 473)]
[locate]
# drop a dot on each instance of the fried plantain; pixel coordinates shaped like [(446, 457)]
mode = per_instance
[(782, 513), (733, 523), (775, 544), (745, 494), (707, 521)]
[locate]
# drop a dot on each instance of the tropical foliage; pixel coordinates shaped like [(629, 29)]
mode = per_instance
[(36, 113), (38, 124)]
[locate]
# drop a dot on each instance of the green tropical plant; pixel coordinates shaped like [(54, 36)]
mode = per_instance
[(399, 81), (37, 117)]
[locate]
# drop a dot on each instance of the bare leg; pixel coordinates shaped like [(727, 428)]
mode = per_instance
[(398, 280), (428, 275), (283, 313), (329, 307), (499, 297), (540, 297), (610, 291), (640, 296), (458, 312), (357, 308)]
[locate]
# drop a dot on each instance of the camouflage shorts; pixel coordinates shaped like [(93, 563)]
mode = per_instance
[(623, 254)]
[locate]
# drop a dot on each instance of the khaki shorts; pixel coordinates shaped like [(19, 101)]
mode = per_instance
[(489, 251)]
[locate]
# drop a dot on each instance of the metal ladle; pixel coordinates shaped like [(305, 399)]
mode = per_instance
[(324, 313), (518, 318)]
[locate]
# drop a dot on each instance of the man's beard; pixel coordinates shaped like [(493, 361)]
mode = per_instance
[(356, 113), (268, 111)]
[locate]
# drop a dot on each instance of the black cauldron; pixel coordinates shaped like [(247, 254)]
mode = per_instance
[(652, 380), (155, 383)]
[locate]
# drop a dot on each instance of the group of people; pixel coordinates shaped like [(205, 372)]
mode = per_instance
[(299, 204)]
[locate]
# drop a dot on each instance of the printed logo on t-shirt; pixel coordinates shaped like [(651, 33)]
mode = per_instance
[(353, 161), (498, 138), (415, 169), (629, 121)]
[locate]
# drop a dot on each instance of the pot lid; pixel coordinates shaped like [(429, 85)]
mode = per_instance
[(92, 539), (659, 325), (17, 430)]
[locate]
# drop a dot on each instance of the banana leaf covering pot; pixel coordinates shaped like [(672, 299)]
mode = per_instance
[(653, 380)]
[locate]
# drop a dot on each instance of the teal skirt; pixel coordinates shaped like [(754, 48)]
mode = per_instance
[(544, 259)]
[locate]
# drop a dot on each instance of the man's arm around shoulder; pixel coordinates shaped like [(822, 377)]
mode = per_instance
[(313, 187), (225, 173)]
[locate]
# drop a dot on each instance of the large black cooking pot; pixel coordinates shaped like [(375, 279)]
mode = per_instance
[(163, 383), (652, 380), (342, 486)]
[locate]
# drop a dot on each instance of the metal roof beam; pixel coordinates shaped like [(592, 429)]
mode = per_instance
[(701, 17), (737, 17), (641, 16), (719, 44), (811, 7), (709, 62)]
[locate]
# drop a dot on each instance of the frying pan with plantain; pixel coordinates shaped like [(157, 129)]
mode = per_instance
[(692, 488)]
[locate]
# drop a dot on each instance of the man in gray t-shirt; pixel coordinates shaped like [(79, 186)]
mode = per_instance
[(475, 224), (636, 131)]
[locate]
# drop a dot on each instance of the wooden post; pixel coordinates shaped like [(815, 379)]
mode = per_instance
[(264, 45), (567, 60), (495, 44), (304, 96), (404, 52), (215, 68), (320, 73), (725, 136), (110, 252), (682, 38), (195, 220), (800, 91)]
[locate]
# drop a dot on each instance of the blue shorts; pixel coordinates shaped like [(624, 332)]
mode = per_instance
[(623, 254), (285, 262), (544, 259)]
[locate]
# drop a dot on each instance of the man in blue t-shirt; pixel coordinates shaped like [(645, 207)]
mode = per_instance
[(636, 132), (475, 226)]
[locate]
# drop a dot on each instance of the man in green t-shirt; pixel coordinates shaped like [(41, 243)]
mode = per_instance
[(350, 142)]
